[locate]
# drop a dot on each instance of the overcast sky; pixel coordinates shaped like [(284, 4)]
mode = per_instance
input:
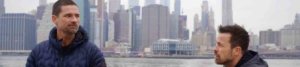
[(255, 15)]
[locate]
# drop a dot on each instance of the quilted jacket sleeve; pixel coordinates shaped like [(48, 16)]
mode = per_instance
[(97, 58), (31, 59)]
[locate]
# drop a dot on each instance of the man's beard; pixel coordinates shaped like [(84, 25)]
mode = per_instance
[(224, 60), (71, 30)]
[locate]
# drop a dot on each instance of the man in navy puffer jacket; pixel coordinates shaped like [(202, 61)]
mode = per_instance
[(68, 44)]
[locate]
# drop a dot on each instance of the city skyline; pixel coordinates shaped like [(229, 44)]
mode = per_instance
[(255, 15), (130, 34), (126, 32)]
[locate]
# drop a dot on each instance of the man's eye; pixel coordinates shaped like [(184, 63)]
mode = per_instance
[(77, 15), (220, 45), (68, 15)]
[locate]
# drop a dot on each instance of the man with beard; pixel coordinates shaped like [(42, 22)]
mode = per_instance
[(232, 48), (68, 44)]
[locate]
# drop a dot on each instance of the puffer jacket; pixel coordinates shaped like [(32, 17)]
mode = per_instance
[(251, 59), (80, 53)]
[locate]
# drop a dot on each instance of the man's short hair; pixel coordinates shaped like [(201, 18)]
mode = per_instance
[(58, 4), (239, 36)]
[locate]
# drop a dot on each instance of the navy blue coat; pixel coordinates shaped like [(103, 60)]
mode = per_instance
[(251, 59), (80, 53)]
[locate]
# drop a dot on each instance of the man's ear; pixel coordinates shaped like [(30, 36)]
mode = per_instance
[(237, 51), (54, 20)]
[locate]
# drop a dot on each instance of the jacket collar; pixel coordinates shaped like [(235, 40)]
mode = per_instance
[(80, 39), (251, 58)]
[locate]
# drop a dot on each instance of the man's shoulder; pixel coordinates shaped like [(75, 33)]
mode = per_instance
[(41, 45), (90, 45), (255, 61)]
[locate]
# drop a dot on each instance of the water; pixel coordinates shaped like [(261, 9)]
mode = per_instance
[(19, 61)]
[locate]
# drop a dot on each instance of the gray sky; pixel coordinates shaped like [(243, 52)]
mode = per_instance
[(255, 15)]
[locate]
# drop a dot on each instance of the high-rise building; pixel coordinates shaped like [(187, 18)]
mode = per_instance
[(149, 2), (227, 18), (104, 30), (114, 6), (2, 7), (183, 32), (174, 26), (204, 24), (137, 11), (290, 34), (269, 37), (175, 21), (18, 31), (196, 21), (155, 24), (103, 23), (44, 25), (211, 29), (84, 8), (100, 9), (122, 26), (177, 7), (204, 34), (136, 31), (93, 23), (297, 19), (41, 9)]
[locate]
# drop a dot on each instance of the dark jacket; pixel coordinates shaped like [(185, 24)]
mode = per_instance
[(251, 59), (80, 53)]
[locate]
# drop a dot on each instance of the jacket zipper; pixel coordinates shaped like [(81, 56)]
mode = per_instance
[(61, 59)]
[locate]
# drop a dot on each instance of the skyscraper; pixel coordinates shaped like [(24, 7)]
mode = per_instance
[(84, 8), (227, 12), (100, 9), (104, 28), (136, 28), (174, 26), (44, 25), (155, 24), (175, 17), (114, 6), (297, 19), (41, 9), (204, 34), (204, 16), (196, 21), (290, 34), (103, 22), (2, 7), (93, 22), (269, 37), (177, 7), (121, 19), (18, 31), (183, 32)]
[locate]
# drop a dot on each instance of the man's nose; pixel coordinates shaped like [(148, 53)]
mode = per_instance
[(216, 49), (75, 19)]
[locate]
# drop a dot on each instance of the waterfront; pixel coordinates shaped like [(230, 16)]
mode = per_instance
[(19, 61)]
